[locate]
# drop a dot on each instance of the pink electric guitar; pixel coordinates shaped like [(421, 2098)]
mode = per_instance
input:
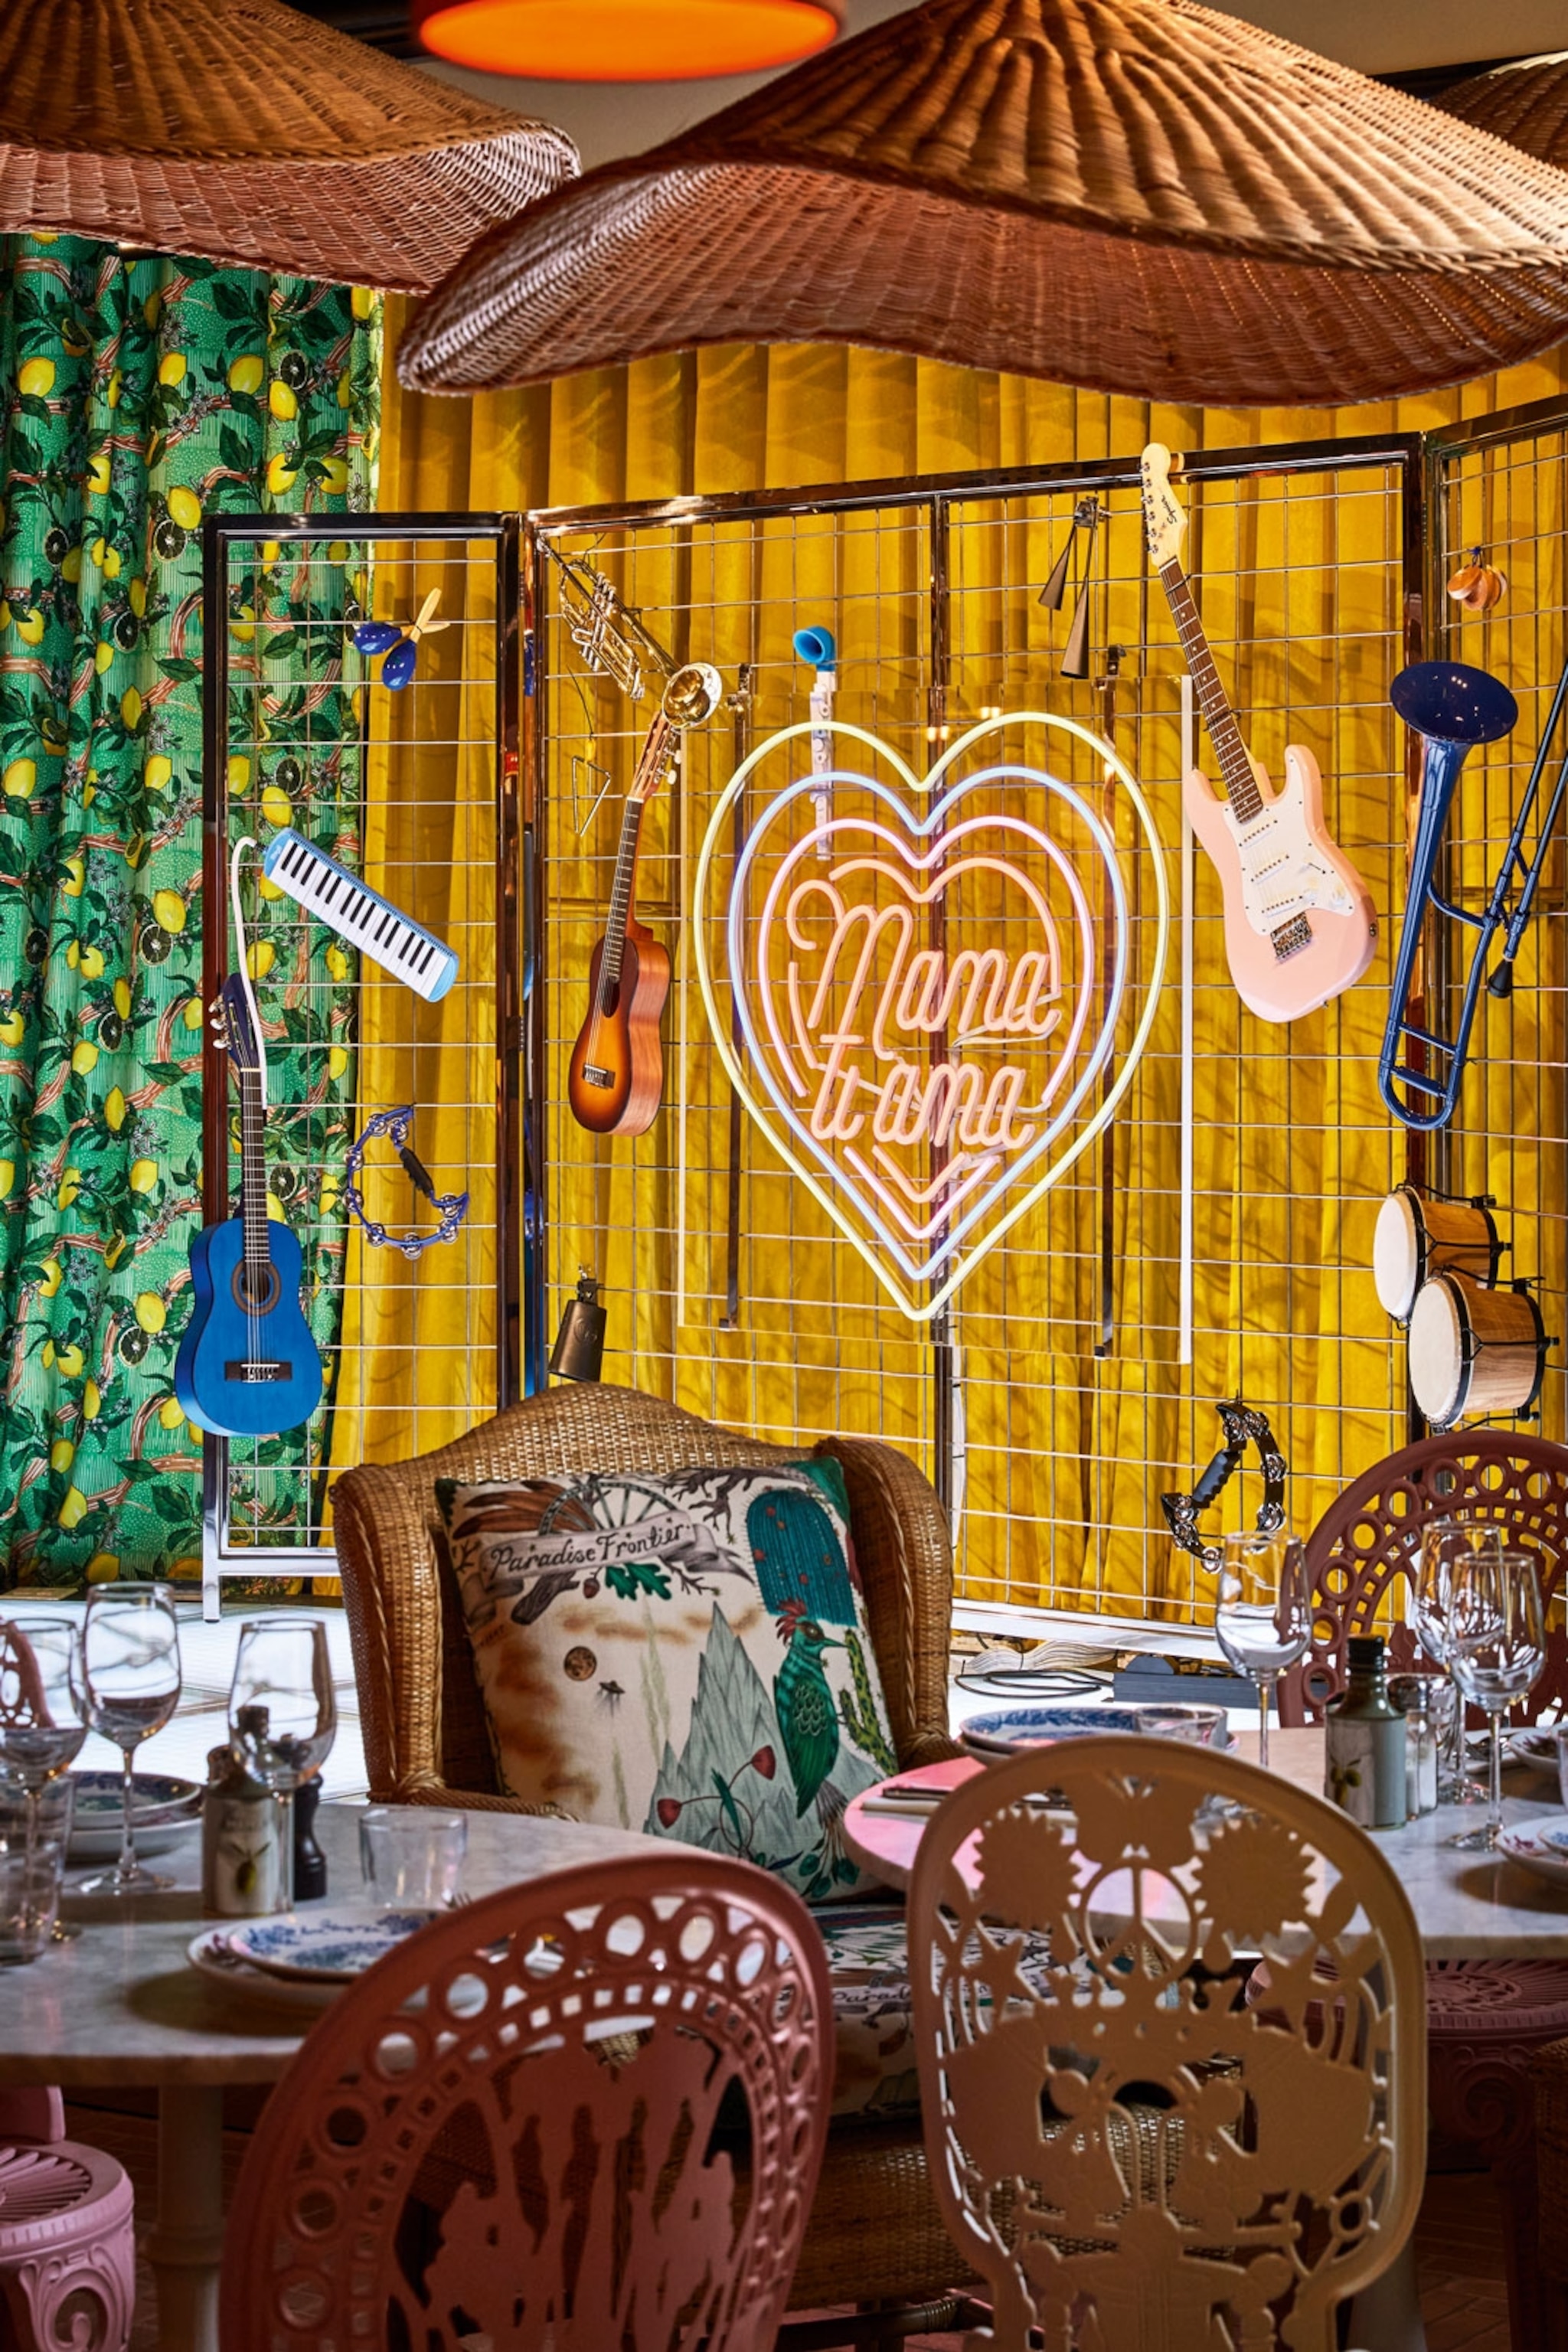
[(1298, 923)]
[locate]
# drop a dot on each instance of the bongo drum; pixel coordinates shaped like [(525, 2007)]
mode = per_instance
[(1474, 1351), (1417, 1238)]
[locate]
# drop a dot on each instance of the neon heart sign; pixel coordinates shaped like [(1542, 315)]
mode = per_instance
[(927, 989)]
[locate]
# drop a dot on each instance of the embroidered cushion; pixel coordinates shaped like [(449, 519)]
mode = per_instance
[(686, 1655), (875, 2075)]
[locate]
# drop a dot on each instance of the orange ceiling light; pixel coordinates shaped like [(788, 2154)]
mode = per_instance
[(626, 40)]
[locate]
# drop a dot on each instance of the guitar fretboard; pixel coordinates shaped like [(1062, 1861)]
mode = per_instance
[(1241, 783), (651, 762), (253, 1180)]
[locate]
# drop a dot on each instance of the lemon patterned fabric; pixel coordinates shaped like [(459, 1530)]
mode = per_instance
[(140, 394)]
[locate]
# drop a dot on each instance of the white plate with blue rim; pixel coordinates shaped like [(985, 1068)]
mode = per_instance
[(162, 1810), (1002, 1731), (213, 1956), (330, 1946), (1539, 1845)]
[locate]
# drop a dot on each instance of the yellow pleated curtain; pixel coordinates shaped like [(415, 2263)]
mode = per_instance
[(743, 418)]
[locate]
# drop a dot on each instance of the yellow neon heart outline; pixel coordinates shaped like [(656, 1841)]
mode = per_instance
[(735, 1071)]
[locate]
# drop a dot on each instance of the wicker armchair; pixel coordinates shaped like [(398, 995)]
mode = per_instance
[(876, 2238)]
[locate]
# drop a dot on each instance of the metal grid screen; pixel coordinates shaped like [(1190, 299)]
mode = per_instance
[(1218, 1237), (414, 792), (1502, 485)]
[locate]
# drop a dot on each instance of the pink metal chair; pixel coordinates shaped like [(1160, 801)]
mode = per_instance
[(1369, 1541), (67, 2255), (1486, 2018), (579, 2113), (1126, 2148)]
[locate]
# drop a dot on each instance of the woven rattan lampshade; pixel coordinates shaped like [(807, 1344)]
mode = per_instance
[(243, 132), (1147, 197), (1526, 104)]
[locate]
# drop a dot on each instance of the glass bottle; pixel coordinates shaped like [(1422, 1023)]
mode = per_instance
[(241, 1878), (1364, 1772)]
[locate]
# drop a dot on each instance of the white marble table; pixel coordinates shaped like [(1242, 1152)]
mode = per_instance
[(1468, 1906), (122, 2006)]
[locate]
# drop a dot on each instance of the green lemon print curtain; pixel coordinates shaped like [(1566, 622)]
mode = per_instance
[(139, 394)]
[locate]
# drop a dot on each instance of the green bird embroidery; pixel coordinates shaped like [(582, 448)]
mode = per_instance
[(808, 1720)]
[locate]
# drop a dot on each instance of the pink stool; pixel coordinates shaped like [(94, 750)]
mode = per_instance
[(67, 2257)]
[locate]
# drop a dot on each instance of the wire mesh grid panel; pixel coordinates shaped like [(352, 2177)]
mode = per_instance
[(1501, 495), (396, 760), (1073, 1378), (1218, 1242), (729, 1288)]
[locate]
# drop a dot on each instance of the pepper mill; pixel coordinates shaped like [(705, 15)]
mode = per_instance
[(309, 1862)]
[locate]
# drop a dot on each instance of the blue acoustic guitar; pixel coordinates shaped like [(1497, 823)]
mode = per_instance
[(248, 1365)]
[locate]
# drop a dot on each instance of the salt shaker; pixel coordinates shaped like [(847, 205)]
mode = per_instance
[(1416, 1696), (241, 1877)]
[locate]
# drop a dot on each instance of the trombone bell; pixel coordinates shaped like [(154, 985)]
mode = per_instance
[(1453, 708)]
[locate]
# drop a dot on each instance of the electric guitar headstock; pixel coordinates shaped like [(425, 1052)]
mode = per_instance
[(689, 699), (234, 1029), (1164, 517)]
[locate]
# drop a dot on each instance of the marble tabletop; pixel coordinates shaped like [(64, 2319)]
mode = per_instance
[(1468, 1905), (123, 2004)]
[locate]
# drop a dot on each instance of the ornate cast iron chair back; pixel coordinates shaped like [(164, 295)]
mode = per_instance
[(574, 2115), (1370, 1539), (1136, 2158)]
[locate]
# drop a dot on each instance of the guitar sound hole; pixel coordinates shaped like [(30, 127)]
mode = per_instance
[(255, 1293)]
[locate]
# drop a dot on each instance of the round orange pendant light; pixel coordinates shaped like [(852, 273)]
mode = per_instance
[(626, 40)]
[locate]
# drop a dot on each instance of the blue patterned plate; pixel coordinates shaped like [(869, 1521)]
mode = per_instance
[(1541, 1845), (213, 1955), (1006, 1730), (326, 1947), (162, 1810)]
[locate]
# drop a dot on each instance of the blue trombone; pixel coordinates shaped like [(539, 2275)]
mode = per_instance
[(1455, 708)]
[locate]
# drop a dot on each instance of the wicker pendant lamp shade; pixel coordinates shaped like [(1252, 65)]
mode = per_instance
[(1145, 197), (1526, 104), (243, 132)]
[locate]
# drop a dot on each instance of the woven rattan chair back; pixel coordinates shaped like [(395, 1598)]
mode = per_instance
[(1368, 1543), (423, 1725), (576, 2115), (1135, 2157)]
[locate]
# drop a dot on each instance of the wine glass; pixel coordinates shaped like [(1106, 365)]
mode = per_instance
[(282, 1716), (1443, 1542), (131, 1686), (41, 1729), (1498, 1636), (1263, 1618)]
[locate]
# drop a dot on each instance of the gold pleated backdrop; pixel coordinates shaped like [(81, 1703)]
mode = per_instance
[(743, 418)]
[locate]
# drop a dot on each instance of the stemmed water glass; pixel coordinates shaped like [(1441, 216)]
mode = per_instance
[(131, 1686), (1443, 1543), (1498, 1641), (282, 1717), (1263, 1618), (41, 1729)]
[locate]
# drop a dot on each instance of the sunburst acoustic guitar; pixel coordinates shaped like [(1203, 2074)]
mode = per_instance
[(1298, 922), (615, 1083)]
